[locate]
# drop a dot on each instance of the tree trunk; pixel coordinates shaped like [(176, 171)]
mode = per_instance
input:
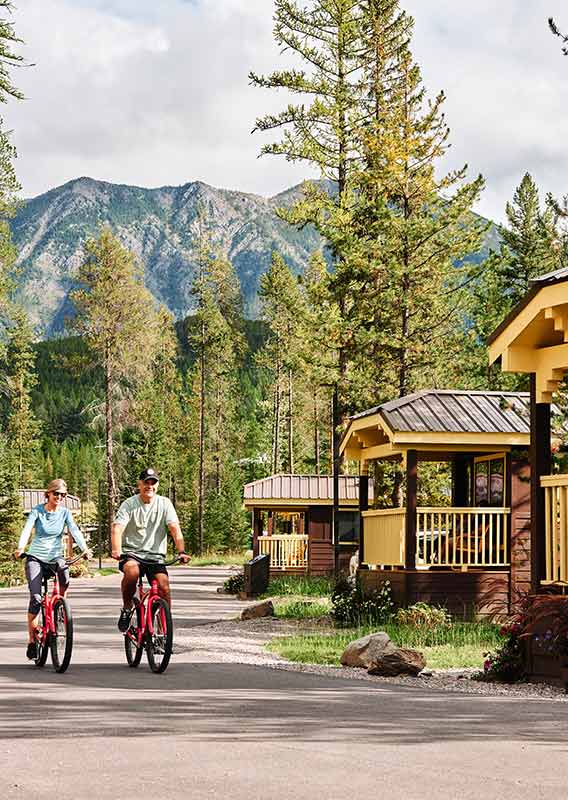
[(109, 441), (276, 431), (201, 479), (316, 434), (290, 423)]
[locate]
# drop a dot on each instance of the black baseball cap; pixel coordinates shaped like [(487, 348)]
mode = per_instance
[(149, 474)]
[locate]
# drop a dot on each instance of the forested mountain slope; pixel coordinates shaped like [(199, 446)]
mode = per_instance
[(161, 226)]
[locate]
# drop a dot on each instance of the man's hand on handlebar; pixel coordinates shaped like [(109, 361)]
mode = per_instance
[(116, 554), (184, 558)]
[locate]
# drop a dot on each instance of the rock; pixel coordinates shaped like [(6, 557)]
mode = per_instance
[(362, 652), (380, 656), (263, 609), (401, 662)]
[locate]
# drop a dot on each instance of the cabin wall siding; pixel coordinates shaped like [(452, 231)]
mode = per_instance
[(479, 593)]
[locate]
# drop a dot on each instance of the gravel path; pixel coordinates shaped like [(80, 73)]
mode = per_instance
[(242, 642)]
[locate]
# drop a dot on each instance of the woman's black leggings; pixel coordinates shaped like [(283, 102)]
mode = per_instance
[(34, 574)]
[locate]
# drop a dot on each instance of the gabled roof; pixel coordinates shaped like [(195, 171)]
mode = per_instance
[(439, 421), (534, 336), (455, 411), (302, 490)]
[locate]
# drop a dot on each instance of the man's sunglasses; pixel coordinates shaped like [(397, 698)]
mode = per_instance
[(63, 495)]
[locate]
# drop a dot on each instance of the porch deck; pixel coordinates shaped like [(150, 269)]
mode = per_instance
[(453, 537)]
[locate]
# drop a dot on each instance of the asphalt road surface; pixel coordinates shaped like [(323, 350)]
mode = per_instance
[(222, 730)]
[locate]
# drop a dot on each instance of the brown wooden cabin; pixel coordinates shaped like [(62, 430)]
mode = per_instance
[(292, 522), (472, 554), (533, 339)]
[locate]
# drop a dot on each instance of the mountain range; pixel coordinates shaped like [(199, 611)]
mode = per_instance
[(161, 227)]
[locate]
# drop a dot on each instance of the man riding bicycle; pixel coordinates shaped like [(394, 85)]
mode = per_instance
[(141, 529)]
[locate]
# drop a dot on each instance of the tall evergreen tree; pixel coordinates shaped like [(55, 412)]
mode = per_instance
[(22, 428), (116, 315)]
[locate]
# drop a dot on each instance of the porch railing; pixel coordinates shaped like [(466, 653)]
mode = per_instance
[(286, 552), (446, 537), (384, 536), (462, 537), (556, 527)]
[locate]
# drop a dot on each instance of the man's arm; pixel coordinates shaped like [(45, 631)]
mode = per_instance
[(177, 536), (116, 540)]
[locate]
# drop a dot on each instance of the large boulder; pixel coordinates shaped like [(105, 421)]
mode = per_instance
[(262, 609), (380, 656), (401, 662)]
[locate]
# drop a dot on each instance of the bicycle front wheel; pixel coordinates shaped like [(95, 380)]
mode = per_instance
[(42, 640), (160, 641), (132, 649), (62, 638)]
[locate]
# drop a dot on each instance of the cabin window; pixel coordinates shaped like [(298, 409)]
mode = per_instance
[(489, 480), (348, 527)]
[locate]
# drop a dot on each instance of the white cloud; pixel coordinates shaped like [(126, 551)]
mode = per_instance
[(150, 93)]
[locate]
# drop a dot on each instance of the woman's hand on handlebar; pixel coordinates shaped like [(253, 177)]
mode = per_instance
[(17, 553), (87, 554)]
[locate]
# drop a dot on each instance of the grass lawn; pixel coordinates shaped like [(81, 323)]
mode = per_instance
[(459, 645), (301, 607), (105, 571), (235, 558)]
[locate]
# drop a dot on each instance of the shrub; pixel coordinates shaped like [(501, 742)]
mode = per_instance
[(423, 615), (235, 584), (352, 608), (506, 663)]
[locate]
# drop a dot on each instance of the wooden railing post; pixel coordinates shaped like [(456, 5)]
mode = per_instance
[(411, 494), (363, 506)]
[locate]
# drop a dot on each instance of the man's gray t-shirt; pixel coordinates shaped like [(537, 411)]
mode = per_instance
[(146, 532)]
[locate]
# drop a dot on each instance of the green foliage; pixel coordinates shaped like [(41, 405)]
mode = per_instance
[(235, 583), (305, 585), (301, 609), (506, 663), (352, 607), (457, 645), (11, 518), (423, 615)]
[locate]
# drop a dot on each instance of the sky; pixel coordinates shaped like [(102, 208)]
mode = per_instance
[(156, 92)]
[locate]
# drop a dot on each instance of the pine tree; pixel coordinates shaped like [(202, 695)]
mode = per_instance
[(22, 428), (116, 315), (527, 239), (217, 341), (11, 517)]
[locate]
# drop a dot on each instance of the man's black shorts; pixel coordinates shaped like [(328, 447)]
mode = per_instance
[(146, 570)]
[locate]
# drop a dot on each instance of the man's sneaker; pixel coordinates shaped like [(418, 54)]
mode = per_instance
[(31, 652), (124, 620)]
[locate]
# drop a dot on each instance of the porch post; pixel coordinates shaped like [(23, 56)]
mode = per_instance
[(363, 506), (541, 464), (411, 492), (256, 529), (459, 480)]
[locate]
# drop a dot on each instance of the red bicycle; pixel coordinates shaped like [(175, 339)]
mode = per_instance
[(151, 626), (55, 629)]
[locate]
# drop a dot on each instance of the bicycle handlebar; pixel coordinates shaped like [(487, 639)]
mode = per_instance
[(68, 561), (147, 563)]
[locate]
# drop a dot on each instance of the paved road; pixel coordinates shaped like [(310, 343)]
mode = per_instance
[(212, 730)]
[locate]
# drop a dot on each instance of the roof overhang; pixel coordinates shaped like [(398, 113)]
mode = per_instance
[(534, 338), (428, 444)]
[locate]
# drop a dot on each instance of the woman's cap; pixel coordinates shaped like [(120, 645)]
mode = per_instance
[(56, 485)]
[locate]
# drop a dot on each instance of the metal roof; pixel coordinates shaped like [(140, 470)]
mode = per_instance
[(451, 411), (33, 497), (304, 488)]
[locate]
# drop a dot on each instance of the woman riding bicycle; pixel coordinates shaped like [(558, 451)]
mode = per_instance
[(49, 520)]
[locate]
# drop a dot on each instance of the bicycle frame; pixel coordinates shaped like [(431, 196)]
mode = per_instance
[(48, 601), (144, 601)]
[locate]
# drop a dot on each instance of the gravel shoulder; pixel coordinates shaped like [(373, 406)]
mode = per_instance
[(243, 642)]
